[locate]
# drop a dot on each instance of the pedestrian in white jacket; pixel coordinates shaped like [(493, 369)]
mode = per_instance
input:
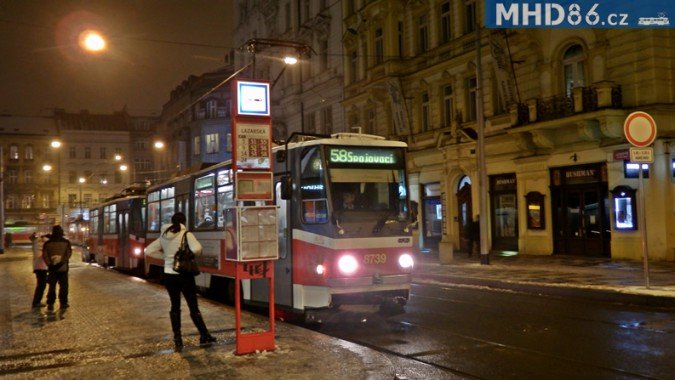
[(165, 248), (40, 270)]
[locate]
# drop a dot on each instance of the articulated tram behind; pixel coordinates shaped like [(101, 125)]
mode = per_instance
[(343, 226)]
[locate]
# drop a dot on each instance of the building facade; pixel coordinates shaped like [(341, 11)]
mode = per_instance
[(553, 104), (30, 192), (306, 97), (195, 124)]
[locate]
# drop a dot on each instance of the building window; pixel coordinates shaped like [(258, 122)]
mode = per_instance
[(28, 153), (327, 119), (447, 105), (446, 25), (470, 15), (211, 109), (471, 99), (14, 152), (323, 55), (370, 121), (45, 201), (632, 170), (118, 177), (12, 177), (212, 143), (425, 111), (310, 123), (10, 203), (28, 201), (87, 152), (422, 34), (72, 177), (197, 145), (353, 66), (498, 106), (72, 200), (71, 152), (305, 10), (287, 16), (27, 176), (141, 145), (102, 154), (573, 68), (379, 46)]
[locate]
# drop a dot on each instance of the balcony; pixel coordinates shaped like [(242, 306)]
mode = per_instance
[(584, 99)]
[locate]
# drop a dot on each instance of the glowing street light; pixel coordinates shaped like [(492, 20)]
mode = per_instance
[(92, 41), (55, 144), (46, 167), (159, 144), (124, 167), (118, 157)]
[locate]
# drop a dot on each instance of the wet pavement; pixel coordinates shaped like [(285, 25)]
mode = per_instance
[(603, 279), (118, 327)]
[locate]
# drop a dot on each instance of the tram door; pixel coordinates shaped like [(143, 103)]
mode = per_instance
[(283, 268), (122, 238), (464, 215)]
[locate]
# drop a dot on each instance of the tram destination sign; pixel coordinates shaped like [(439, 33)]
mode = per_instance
[(346, 155)]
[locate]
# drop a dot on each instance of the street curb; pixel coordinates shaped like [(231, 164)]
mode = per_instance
[(556, 291)]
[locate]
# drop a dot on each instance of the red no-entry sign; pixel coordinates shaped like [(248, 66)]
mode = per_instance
[(640, 129)]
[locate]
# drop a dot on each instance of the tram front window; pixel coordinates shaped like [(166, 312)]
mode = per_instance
[(369, 190)]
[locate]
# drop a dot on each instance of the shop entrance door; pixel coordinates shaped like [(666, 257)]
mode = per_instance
[(464, 217), (583, 224)]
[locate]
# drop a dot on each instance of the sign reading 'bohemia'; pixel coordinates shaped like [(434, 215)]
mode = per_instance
[(579, 14)]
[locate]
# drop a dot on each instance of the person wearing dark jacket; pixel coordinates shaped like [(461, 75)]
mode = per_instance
[(56, 253), (165, 248)]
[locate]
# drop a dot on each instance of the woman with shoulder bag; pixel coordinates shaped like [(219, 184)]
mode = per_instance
[(166, 247)]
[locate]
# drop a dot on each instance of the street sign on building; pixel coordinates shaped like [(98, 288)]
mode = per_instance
[(642, 155), (640, 129)]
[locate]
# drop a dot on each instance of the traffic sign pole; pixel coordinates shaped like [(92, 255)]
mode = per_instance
[(640, 130)]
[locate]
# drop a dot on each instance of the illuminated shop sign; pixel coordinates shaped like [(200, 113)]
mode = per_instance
[(349, 155)]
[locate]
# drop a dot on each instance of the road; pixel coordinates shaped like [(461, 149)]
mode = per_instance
[(461, 332)]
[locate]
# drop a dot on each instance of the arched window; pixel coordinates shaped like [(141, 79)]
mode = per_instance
[(573, 68), (465, 181)]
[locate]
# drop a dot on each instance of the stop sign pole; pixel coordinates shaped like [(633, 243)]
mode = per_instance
[(640, 130)]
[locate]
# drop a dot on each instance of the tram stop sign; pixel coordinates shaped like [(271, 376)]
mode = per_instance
[(640, 129)]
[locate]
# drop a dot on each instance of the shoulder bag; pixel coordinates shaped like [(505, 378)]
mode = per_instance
[(184, 260)]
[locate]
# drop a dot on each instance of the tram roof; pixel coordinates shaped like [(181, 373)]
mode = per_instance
[(343, 138)]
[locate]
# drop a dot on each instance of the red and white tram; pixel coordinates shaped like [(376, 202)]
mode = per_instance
[(343, 231)]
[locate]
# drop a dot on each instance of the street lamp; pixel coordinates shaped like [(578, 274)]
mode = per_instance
[(92, 42), (56, 145), (82, 181)]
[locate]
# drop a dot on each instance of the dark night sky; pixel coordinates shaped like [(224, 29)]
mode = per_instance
[(153, 46)]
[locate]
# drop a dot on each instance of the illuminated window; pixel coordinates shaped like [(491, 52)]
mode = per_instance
[(197, 145), (630, 170), (13, 152), (28, 153), (212, 143)]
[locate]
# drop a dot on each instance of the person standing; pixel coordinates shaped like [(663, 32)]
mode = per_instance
[(165, 248), (40, 270), (56, 253)]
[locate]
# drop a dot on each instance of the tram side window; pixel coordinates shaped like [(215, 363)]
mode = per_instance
[(153, 216), (93, 226), (205, 202), (225, 200), (166, 211), (312, 189), (110, 219)]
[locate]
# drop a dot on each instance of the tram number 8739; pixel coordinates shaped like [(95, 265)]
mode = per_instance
[(375, 258)]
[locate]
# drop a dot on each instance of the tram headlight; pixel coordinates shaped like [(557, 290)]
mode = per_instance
[(406, 261), (137, 251), (320, 269), (348, 264)]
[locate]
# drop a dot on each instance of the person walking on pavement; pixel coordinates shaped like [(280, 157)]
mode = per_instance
[(56, 253), (165, 248), (40, 270)]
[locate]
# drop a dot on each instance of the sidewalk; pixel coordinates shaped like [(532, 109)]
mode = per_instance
[(567, 276), (118, 327)]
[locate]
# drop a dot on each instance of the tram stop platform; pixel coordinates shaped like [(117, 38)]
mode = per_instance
[(590, 278), (117, 326)]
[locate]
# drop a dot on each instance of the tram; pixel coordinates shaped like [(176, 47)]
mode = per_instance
[(344, 235), (117, 231)]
